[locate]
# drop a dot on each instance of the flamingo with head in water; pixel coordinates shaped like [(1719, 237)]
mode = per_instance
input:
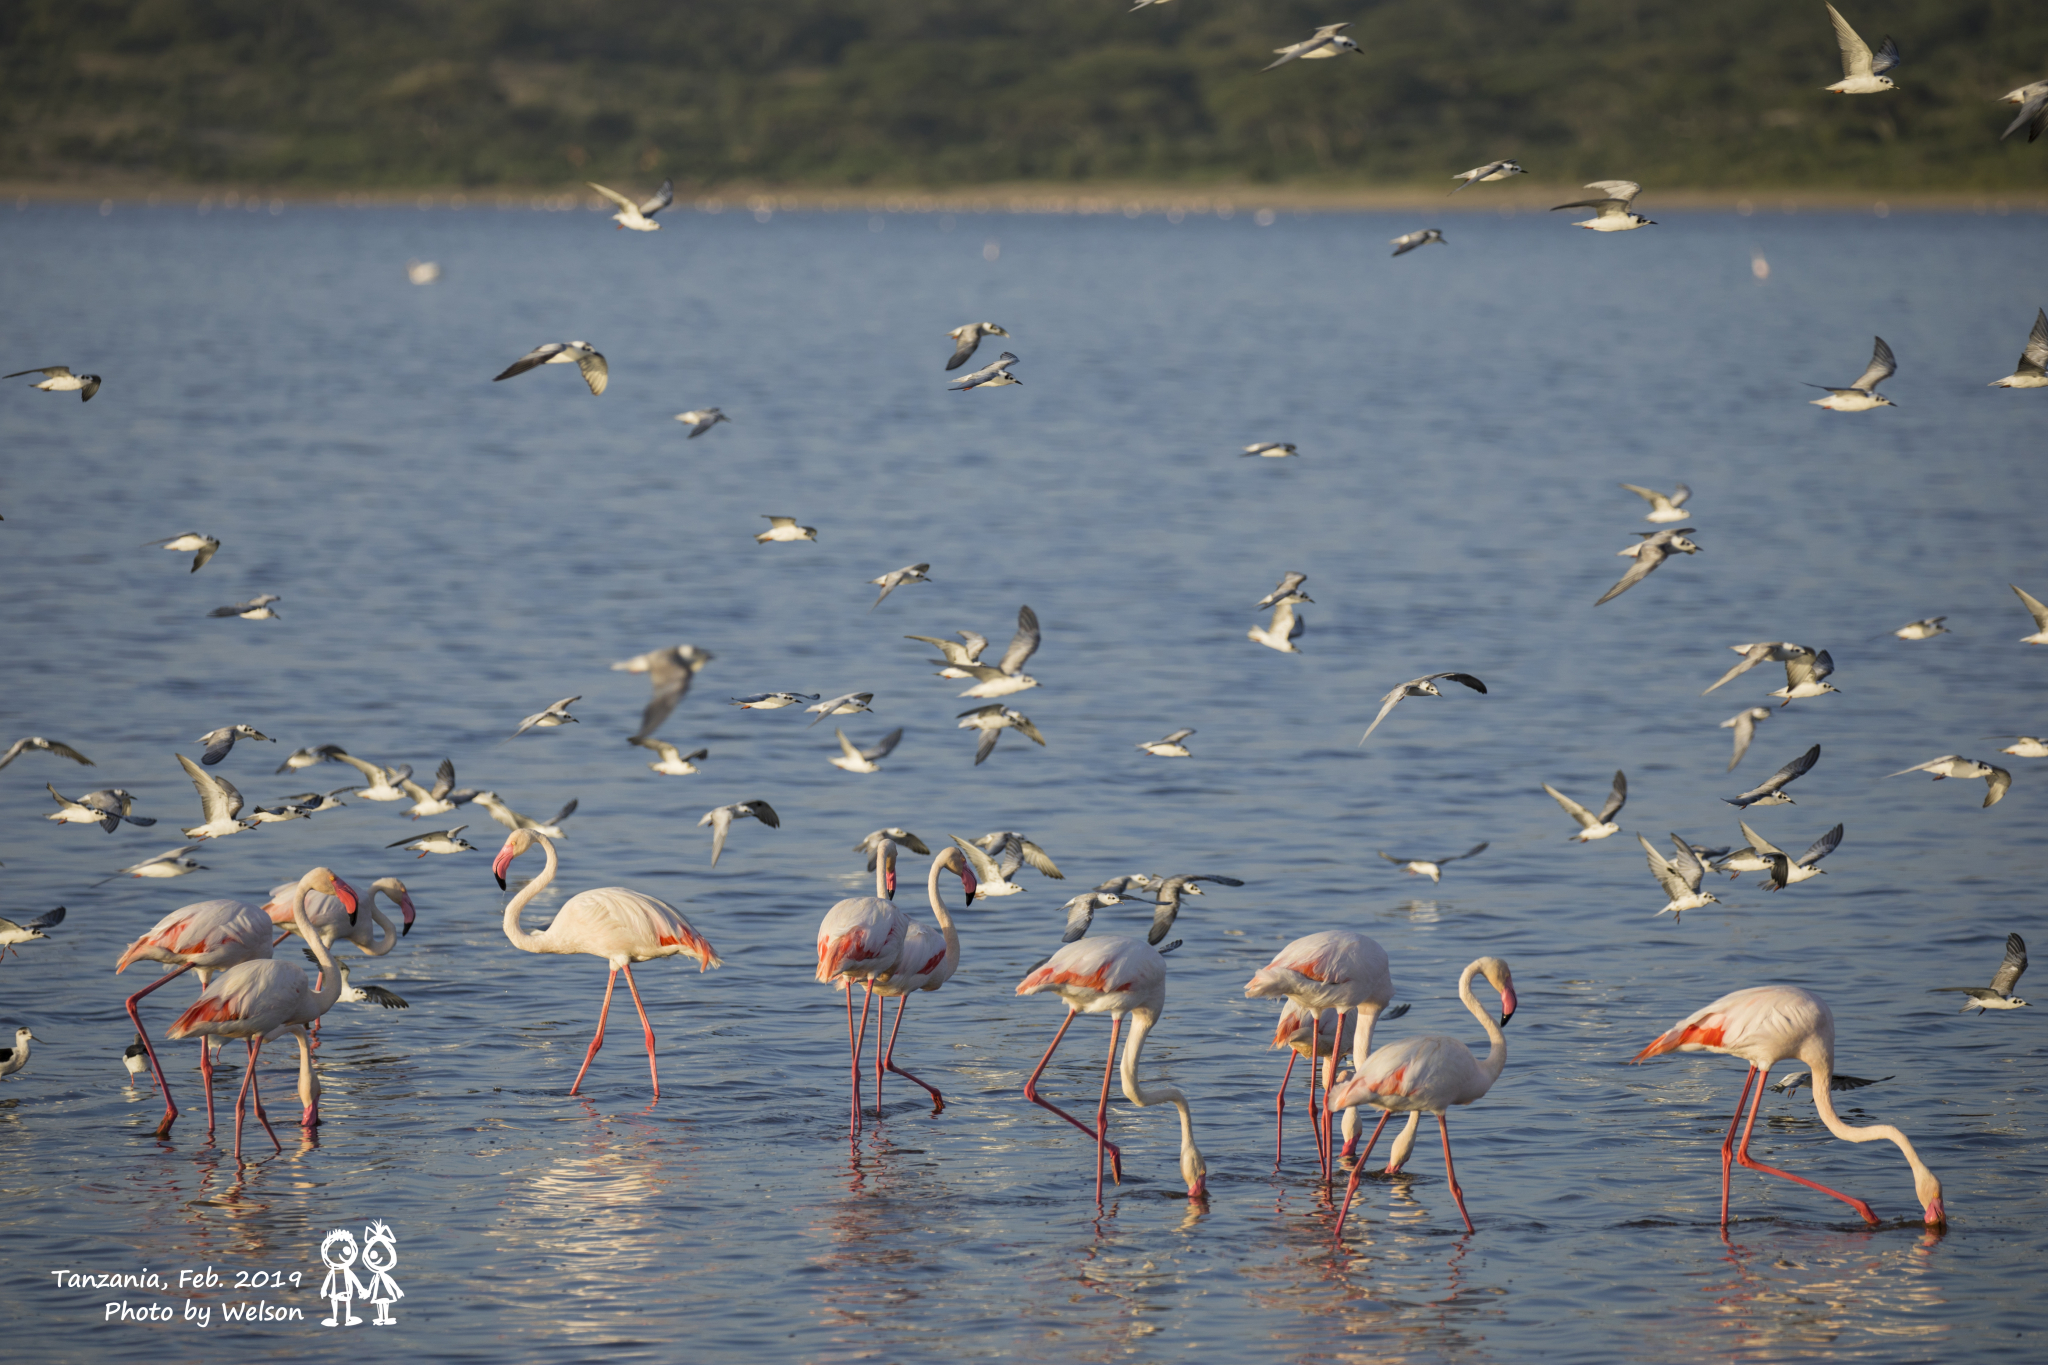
[(1334, 970), (925, 963), (1765, 1025), (620, 926)]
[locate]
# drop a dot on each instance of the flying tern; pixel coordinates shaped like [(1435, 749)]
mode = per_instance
[(256, 608), (855, 760), (1663, 506), (967, 339), (1424, 686), (773, 701), (674, 762), (201, 548), (581, 354), (1998, 995), (1288, 584), (219, 802), (2032, 370), (670, 671), (958, 657), (1996, 780), (1327, 41), (1786, 870), (553, 717), (59, 379), (1408, 241), (638, 216), (1271, 450), (845, 704), (1769, 792), (1593, 826), (1432, 868), (1680, 876), (36, 743), (1007, 676), (1773, 651), (440, 798), (1744, 724), (721, 820), (1492, 170), (384, 784), (218, 742), (1920, 630), (513, 820), (2033, 115), (1862, 70), (784, 529), (701, 420), (1862, 395), (896, 578), (1612, 207), (172, 862), (437, 841), (1169, 747), (1806, 675), (1657, 547), (2038, 612), (1284, 628), (993, 376), (992, 720)]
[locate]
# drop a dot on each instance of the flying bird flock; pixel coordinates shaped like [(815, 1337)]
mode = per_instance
[(1334, 986)]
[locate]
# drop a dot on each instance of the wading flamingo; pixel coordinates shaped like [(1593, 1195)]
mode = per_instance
[(1428, 1075), (620, 926), (926, 962), (1765, 1025), (1114, 976), (258, 999), (1336, 970), (205, 937), (368, 929), (862, 939), (1327, 1037)]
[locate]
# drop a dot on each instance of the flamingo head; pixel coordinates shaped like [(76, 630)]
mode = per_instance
[(1928, 1187), (1496, 971), (957, 860), (516, 843), (888, 859), (394, 890), (1195, 1171), (323, 879)]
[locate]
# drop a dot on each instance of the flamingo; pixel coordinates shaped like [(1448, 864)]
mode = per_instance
[(206, 937), (260, 998), (862, 939), (927, 962), (1306, 1037), (1114, 976), (1765, 1025), (1427, 1075), (369, 931), (620, 926), (1338, 970)]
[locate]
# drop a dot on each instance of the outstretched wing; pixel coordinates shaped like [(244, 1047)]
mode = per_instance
[(1649, 558), (1081, 913), (621, 200), (2034, 607), (984, 866), (659, 200), (595, 372), (1572, 808), (2009, 971), (885, 747), (1617, 797), (1882, 367), (1024, 643), (1821, 847), (1667, 876), (1856, 59), (539, 355)]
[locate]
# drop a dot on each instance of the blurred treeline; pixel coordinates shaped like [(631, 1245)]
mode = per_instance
[(368, 93)]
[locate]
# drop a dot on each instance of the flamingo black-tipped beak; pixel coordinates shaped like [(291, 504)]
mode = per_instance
[(405, 907), (889, 883), (968, 886), (1507, 1005), (500, 863)]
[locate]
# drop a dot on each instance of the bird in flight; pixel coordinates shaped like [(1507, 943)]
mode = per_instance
[(1408, 241), (1862, 70), (1432, 868), (784, 529), (1492, 170), (1327, 41), (581, 354), (967, 339), (993, 376), (1996, 780), (1613, 207), (1663, 506), (896, 578), (701, 420), (1998, 995), (1424, 686), (1657, 547), (1769, 792), (2032, 370), (1862, 395), (640, 216), (202, 548), (1593, 826), (556, 715), (48, 746), (59, 379)]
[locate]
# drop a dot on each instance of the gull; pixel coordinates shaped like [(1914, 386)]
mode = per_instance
[(670, 671), (12, 934), (1492, 170), (578, 353), (1749, 858), (1284, 628), (1862, 395), (1806, 675), (1287, 587), (1169, 747), (1408, 241), (992, 720), (997, 857), (1006, 677), (90, 809), (218, 742), (1663, 507), (871, 845), (59, 379), (1613, 205), (1837, 1081), (1167, 892), (256, 608), (1767, 792), (315, 802), (273, 815), (640, 216), (437, 841), (773, 701), (1680, 877), (989, 376), (1424, 686), (967, 338), (721, 820), (845, 704), (383, 782), (201, 548), (1271, 450), (422, 272), (2032, 370), (1593, 826), (438, 800), (1789, 871), (2033, 115), (1920, 630), (784, 529), (1657, 547), (48, 746), (1326, 41), (352, 994), (701, 420), (896, 578), (513, 820), (1744, 724), (1997, 996), (959, 657), (1081, 911), (674, 762), (306, 758), (2029, 746), (1996, 780), (118, 804), (863, 760), (219, 802), (1432, 868), (2038, 612), (555, 716), (1136, 881), (1773, 651), (1862, 73), (172, 862)]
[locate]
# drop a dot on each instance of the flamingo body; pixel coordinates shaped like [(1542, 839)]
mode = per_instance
[(372, 933), (1333, 970)]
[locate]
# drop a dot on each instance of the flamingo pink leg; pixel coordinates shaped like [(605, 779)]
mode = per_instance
[(1102, 1107), (646, 1027), (597, 1039), (1329, 1081), (853, 1051), (889, 1056), (1451, 1173), (881, 1017), (1359, 1169), (206, 1078), (1280, 1110), (163, 1129), (1031, 1093), (1728, 1142), (1315, 1120), (256, 1100), (860, 1041), (1742, 1155)]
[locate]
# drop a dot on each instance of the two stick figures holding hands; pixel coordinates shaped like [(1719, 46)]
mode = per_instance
[(342, 1286)]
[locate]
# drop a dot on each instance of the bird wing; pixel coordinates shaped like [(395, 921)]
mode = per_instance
[(1650, 556), (958, 655), (1649, 495), (984, 866), (217, 745), (1288, 584), (565, 812), (1687, 865), (1995, 785), (2034, 112), (1022, 723), (1886, 58), (760, 810), (1666, 875), (885, 747), (1081, 913), (1929, 766), (444, 779), (50, 372), (1758, 844), (2010, 970), (1680, 496), (595, 372), (1856, 60), (1036, 856), (1572, 808), (1800, 668), (1287, 54), (1882, 367), (368, 770), (205, 552), (986, 745), (1387, 704), (1796, 768), (539, 355), (218, 799), (54, 747), (1176, 737), (2034, 359), (2034, 607), (1617, 797), (967, 340), (1024, 643), (49, 919), (1753, 656), (721, 825), (670, 675), (621, 200), (1823, 664), (659, 200), (1471, 852), (1407, 242), (846, 747), (1821, 847), (1163, 915)]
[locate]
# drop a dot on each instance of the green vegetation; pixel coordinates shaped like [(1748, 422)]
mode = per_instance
[(395, 93)]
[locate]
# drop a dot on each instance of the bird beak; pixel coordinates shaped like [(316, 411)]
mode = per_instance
[(501, 862), (889, 880), (968, 885), (347, 894), (405, 906), (1937, 1216), (1507, 1003)]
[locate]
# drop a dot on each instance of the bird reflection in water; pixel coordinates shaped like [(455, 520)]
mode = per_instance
[(1400, 1296), (1850, 1289)]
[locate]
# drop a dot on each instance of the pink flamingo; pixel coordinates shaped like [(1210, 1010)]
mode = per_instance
[(1765, 1025), (370, 931), (1427, 1075), (204, 937), (927, 961), (258, 999), (862, 939), (1336, 970), (1114, 976), (620, 926)]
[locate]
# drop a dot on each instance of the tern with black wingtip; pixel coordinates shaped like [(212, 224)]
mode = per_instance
[(201, 548), (59, 379), (1593, 826), (1998, 995), (1862, 395), (1657, 547), (37, 744), (721, 818), (581, 354), (1997, 781), (1770, 791), (1432, 868), (1424, 686)]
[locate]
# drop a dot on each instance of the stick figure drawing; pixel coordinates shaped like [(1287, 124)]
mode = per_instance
[(380, 1253), (338, 1253)]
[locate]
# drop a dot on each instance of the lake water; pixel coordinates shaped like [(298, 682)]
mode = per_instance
[(453, 554)]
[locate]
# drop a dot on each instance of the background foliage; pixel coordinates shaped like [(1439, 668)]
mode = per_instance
[(482, 92)]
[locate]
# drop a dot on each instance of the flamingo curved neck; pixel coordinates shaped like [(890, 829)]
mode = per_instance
[(330, 971), (1192, 1165), (530, 942), (1823, 1065), (386, 937), (885, 863), (1497, 1054), (943, 915)]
